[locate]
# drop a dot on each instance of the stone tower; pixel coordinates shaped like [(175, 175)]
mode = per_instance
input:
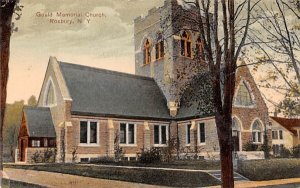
[(166, 47)]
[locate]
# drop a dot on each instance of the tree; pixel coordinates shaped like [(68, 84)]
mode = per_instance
[(278, 45), (12, 122), (6, 12), (32, 101), (223, 29)]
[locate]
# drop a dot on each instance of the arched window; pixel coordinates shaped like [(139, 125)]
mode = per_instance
[(256, 132), (243, 96), (186, 44), (50, 96), (159, 47), (199, 48), (147, 52), (235, 134)]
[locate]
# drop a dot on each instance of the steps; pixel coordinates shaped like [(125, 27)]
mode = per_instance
[(237, 177)]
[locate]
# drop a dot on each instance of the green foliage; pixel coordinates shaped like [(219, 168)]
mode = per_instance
[(152, 155), (249, 146), (12, 121), (284, 153), (146, 176), (44, 156), (32, 101), (168, 152), (258, 170), (295, 151), (105, 159), (290, 106)]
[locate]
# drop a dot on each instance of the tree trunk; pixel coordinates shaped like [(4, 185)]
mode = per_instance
[(6, 13), (223, 123)]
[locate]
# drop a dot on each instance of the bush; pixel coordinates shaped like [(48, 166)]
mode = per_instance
[(45, 156), (258, 170), (296, 151), (105, 159), (153, 155), (284, 153), (249, 146)]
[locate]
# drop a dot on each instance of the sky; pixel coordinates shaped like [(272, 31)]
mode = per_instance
[(104, 39)]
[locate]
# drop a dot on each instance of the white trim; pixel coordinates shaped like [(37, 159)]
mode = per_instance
[(240, 130), (88, 144), (198, 134), (49, 83), (127, 132), (244, 81), (160, 136), (186, 134), (256, 132)]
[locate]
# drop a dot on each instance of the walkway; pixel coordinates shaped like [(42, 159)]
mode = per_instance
[(50, 179)]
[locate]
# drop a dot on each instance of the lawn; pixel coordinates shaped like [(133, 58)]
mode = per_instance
[(17, 184), (146, 176), (178, 164)]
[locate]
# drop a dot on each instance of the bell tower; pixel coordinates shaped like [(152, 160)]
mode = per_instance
[(166, 48)]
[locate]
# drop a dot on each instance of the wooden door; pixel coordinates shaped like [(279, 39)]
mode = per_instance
[(22, 151)]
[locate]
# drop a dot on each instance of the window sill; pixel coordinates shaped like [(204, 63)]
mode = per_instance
[(257, 143), (88, 145), (242, 106), (202, 144), (187, 145), (128, 145)]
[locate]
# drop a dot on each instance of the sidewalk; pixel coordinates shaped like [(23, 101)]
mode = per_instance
[(50, 179), (271, 183)]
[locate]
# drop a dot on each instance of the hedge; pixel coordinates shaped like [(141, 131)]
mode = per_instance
[(270, 169)]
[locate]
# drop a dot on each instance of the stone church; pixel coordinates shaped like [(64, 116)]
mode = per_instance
[(85, 109)]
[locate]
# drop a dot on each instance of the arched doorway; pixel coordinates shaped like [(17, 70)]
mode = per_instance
[(236, 134)]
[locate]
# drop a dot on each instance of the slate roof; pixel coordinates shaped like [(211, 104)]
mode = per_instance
[(287, 123), (100, 92), (39, 122)]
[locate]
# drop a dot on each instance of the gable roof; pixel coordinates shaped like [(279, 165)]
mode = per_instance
[(39, 122), (287, 123), (100, 92)]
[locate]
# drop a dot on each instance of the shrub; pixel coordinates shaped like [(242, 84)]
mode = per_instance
[(284, 153), (105, 159), (296, 151), (49, 155), (44, 156), (36, 157), (168, 151), (249, 146), (153, 155), (118, 150), (258, 170)]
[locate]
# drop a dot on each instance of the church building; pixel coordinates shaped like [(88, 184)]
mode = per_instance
[(88, 110)]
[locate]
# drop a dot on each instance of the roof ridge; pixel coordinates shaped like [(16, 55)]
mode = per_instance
[(285, 118), (96, 69)]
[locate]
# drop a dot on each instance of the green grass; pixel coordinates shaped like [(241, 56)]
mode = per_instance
[(270, 169), (180, 164), (147, 176), (17, 184)]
